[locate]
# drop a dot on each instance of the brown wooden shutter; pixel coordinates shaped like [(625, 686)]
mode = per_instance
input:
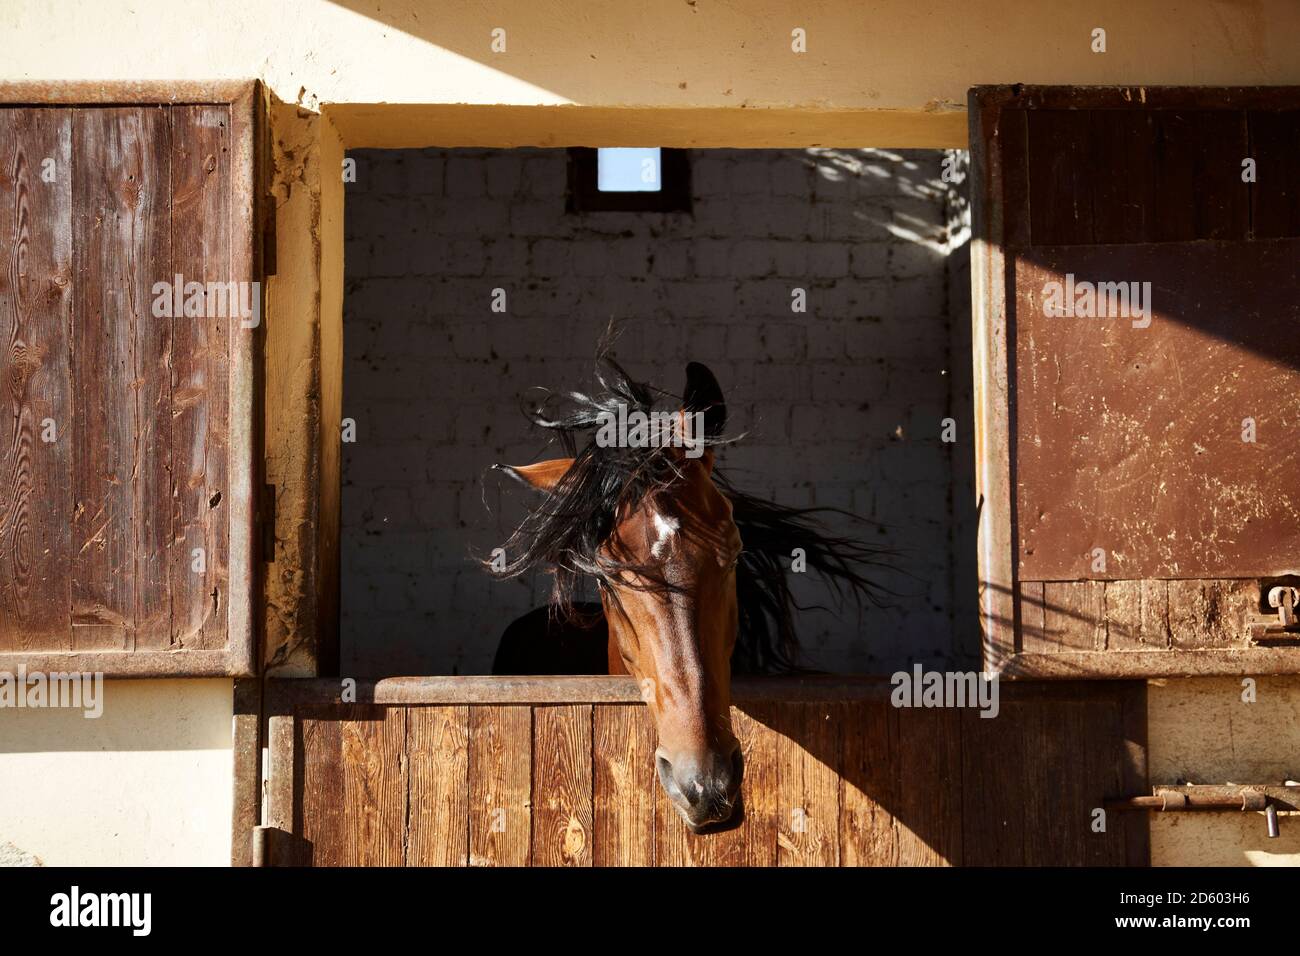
[(127, 464), (1096, 434)]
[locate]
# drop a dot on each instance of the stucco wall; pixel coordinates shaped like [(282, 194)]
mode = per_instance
[(909, 63), (1203, 731), (148, 783)]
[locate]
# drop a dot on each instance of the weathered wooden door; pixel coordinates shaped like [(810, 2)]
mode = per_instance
[(130, 311), (541, 771), (1136, 276)]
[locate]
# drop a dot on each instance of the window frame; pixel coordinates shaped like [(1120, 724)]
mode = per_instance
[(583, 196)]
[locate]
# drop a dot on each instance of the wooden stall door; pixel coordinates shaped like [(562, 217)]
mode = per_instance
[(127, 413), (560, 772), (1136, 291)]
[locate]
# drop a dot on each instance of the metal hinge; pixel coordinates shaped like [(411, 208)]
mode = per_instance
[(275, 847)]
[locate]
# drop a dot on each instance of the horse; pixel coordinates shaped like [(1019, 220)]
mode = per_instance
[(691, 574)]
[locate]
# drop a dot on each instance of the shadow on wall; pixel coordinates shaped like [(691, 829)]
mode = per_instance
[(554, 44), (843, 405)]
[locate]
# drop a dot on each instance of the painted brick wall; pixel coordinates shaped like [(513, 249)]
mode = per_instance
[(843, 403)]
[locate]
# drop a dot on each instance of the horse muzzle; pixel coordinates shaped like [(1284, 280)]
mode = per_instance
[(703, 788)]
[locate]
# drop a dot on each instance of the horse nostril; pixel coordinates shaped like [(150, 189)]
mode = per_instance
[(668, 780), (664, 767)]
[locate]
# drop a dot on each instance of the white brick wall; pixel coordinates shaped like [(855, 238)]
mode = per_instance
[(843, 402)]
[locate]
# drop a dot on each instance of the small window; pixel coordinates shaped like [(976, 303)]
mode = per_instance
[(628, 170), (623, 179)]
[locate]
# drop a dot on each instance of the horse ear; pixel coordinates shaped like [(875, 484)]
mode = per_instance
[(704, 394), (544, 475)]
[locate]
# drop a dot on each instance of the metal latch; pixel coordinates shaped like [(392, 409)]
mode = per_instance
[(1282, 627), (1265, 798)]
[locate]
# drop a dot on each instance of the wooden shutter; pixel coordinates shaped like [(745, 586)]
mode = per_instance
[(127, 464), (1098, 437)]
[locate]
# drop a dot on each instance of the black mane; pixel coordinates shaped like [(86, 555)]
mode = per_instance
[(564, 532)]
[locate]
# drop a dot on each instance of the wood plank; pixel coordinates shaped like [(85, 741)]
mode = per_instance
[(353, 784), (35, 316), (1198, 189), (319, 785), (1134, 772), (1205, 614), (755, 726), (1030, 96), (562, 786), (1121, 148), (437, 755), (246, 790), (1224, 662), (1275, 194), (1013, 134), (108, 144), (1060, 178), (994, 177), (88, 92), (1074, 617), (252, 215), (869, 785), (1096, 769), (500, 785), (151, 391), (993, 790), (481, 690), (374, 784), (624, 786), (929, 805), (200, 166), (808, 811), (1032, 618), (1044, 820), (1137, 615), (1087, 757)]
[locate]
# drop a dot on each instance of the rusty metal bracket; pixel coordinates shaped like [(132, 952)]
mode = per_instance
[(275, 847), (1266, 798), (1285, 626)]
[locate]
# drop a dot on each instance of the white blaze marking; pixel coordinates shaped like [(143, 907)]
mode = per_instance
[(666, 527)]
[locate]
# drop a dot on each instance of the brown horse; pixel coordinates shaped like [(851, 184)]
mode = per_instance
[(685, 594)]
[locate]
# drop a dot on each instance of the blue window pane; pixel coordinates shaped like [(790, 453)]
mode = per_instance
[(623, 170)]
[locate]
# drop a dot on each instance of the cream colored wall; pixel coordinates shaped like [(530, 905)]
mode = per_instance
[(1202, 731), (148, 783), (908, 62), (407, 72)]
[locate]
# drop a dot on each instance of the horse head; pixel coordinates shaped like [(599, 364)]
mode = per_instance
[(668, 589), (641, 509)]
